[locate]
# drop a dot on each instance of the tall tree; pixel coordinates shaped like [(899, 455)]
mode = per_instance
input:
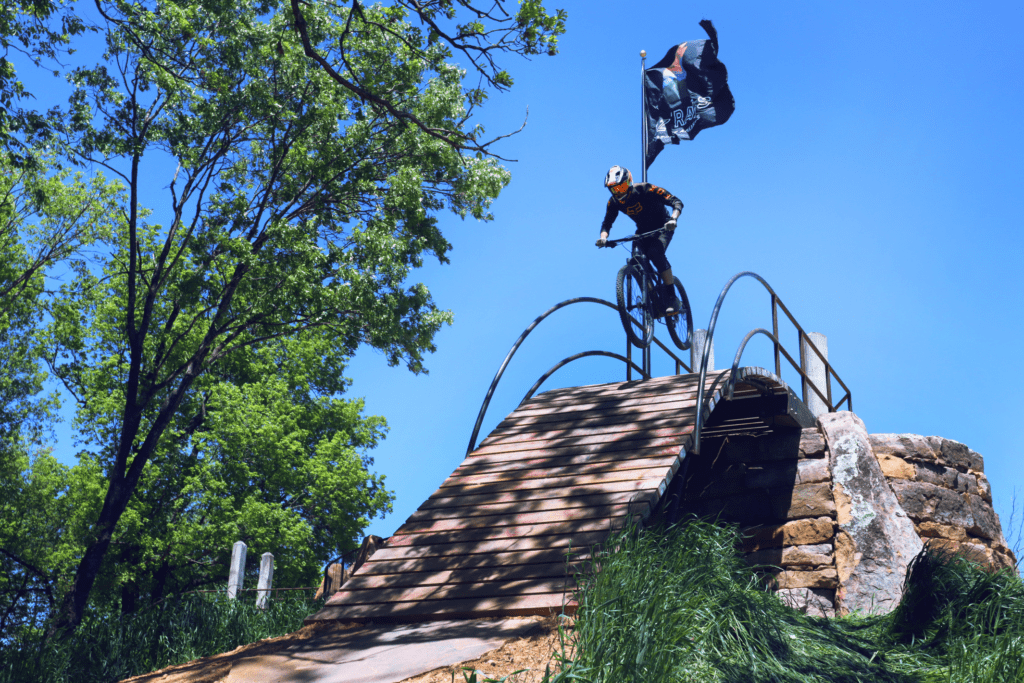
[(47, 217), (38, 32), (307, 149)]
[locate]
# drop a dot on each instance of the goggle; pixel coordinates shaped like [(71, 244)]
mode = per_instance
[(619, 189)]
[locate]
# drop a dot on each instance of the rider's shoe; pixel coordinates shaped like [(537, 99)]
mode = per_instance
[(669, 300)]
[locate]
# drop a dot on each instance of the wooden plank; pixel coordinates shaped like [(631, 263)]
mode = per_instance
[(567, 541), (525, 473), (458, 591), (657, 387), (476, 535), (525, 518), (565, 504), (512, 606), (563, 483), (550, 570), (609, 404), (648, 420), (525, 451), (446, 499), (582, 440), (569, 430), (498, 560), (499, 465), (609, 413), (557, 476)]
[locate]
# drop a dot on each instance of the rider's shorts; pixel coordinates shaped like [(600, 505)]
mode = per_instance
[(655, 247)]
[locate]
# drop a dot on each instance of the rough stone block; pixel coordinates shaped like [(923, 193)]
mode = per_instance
[(882, 536), (786, 473), (912, 447), (812, 471), (946, 531), (984, 488), (815, 602), (845, 552), (971, 551), (812, 443), (986, 523), (804, 556), (967, 483), (799, 532), (818, 578), (772, 474), (895, 467), (955, 454), (1005, 559), (782, 445), (930, 503), (804, 500), (937, 475)]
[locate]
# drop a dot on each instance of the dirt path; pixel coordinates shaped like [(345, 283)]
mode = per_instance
[(530, 656), (278, 658)]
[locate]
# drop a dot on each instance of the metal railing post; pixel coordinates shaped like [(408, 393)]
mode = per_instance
[(629, 361), (775, 331)]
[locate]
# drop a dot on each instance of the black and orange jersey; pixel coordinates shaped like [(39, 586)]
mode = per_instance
[(646, 204)]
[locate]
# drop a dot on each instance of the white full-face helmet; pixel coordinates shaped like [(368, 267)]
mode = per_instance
[(618, 181)]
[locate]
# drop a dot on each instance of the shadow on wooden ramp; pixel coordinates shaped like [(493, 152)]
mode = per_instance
[(508, 531), (381, 654)]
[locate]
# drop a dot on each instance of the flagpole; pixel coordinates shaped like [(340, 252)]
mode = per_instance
[(643, 118)]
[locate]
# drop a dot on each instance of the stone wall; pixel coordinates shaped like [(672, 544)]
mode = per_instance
[(942, 487), (835, 515)]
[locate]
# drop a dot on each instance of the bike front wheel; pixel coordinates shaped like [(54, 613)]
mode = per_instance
[(680, 326), (633, 293)]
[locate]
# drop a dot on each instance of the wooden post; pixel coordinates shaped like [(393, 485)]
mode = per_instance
[(700, 338), (815, 369), (236, 573), (266, 580), (329, 585)]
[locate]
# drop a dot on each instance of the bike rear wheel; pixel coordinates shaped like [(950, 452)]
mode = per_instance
[(680, 326), (633, 292)]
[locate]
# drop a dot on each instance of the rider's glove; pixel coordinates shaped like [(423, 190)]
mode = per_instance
[(601, 242), (670, 224)]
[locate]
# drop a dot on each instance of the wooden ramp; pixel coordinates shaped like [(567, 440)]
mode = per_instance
[(505, 532)]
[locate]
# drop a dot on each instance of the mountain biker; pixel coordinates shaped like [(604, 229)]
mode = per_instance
[(647, 205)]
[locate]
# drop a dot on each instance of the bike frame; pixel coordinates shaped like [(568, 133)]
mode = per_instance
[(638, 256)]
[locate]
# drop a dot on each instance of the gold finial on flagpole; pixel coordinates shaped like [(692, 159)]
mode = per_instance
[(643, 54)]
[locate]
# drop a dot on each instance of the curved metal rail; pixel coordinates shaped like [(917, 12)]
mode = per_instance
[(512, 352), (776, 303), (522, 338), (739, 354), (583, 354)]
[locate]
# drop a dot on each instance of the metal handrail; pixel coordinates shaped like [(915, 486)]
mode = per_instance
[(792, 361), (512, 352), (705, 357), (515, 347), (739, 353), (583, 354)]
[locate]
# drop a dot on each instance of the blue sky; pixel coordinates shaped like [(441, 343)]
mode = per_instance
[(870, 173)]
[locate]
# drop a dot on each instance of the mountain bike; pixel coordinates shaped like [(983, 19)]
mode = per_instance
[(635, 288)]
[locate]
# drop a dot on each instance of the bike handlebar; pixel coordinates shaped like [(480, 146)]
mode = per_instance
[(614, 243)]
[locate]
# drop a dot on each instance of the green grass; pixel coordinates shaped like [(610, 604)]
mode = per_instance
[(680, 605), (666, 606), (108, 648)]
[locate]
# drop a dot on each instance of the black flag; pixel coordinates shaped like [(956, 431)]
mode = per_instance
[(685, 93)]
